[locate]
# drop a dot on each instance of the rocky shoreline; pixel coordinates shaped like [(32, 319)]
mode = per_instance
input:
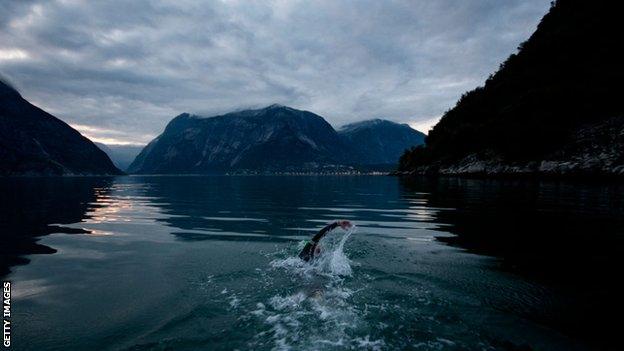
[(594, 150), (586, 165), (472, 166)]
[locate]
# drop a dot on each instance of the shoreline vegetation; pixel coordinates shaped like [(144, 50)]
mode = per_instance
[(513, 175), (551, 110)]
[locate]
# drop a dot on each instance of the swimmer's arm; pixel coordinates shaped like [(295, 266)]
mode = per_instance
[(330, 227), (324, 231), (309, 250)]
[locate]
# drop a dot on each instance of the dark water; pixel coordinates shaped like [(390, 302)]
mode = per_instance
[(208, 263)]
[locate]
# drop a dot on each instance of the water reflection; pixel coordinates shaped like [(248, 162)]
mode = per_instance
[(34, 207), (536, 225), (567, 236), (276, 208), (554, 256), (542, 227)]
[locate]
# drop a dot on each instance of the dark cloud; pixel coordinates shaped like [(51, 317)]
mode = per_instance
[(122, 69)]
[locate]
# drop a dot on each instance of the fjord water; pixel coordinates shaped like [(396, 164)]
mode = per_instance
[(209, 263)]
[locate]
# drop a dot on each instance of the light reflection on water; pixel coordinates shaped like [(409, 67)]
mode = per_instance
[(186, 263)]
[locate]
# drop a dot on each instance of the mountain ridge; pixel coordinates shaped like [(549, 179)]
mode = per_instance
[(272, 139), (239, 140), (529, 116), (34, 142), (379, 141)]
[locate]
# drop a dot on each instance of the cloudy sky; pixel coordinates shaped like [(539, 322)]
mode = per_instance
[(118, 71)]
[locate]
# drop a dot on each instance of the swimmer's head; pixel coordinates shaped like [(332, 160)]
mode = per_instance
[(344, 224)]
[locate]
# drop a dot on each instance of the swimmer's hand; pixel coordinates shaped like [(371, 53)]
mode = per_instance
[(345, 224)]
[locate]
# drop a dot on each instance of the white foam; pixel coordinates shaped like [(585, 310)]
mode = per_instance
[(292, 301), (332, 260), (234, 301), (366, 343), (319, 314)]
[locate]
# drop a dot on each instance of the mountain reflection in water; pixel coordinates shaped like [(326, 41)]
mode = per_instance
[(447, 263)]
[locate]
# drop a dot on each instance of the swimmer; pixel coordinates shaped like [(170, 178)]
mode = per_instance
[(312, 248)]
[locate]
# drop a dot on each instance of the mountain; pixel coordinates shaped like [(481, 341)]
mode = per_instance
[(121, 155), (377, 141), (33, 142), (554, 108), (273, 139)]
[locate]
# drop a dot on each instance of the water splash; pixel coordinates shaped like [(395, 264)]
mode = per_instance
[(332, 260), (318, 313)]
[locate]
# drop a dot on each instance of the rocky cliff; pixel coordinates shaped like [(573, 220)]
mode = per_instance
[(554, 108), (33, 142), (275, 138)]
